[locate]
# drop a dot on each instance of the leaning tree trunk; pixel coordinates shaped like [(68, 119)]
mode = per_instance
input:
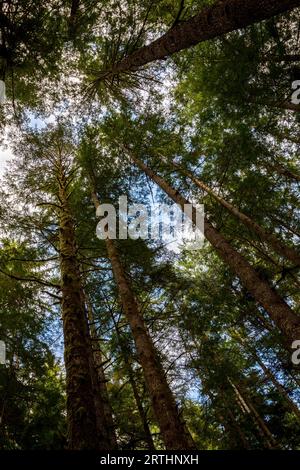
[(164, 406), (268, 237), (212, 21), (86, 428), (282, 315)]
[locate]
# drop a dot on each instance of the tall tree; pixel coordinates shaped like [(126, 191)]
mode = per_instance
[(214, 20)]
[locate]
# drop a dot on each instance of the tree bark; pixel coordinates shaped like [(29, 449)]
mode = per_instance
[(212, 21), (282, 315), (86, 429), (275, 243), (164, 406)]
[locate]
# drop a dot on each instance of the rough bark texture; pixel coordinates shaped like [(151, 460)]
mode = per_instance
[(275, 243), (213, 21), (85, 415), (282, 315), (164, 406)]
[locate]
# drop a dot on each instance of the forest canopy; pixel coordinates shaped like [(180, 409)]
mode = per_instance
[(145, 342)]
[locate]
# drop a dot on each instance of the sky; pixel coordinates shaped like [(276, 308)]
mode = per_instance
[(5, 155)]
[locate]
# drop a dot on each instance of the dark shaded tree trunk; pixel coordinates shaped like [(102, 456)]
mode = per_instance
[(291, 405), (268, 373), (246, 403), (282, 315), (268, 237), (135, 391), (212, 21), (284, 104), (108, 413), (164, 406), (86, 424), (238, 429), (281, 170)]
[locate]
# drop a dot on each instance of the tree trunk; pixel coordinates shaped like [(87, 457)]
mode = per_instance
[(292, 406), (282, 315), (108, 413), (269, 375), (249, 408), (238, 429), (163, 402), (284, 104), (281, 170), (274, 242), (86, 428), (139, 404), (212, 21)]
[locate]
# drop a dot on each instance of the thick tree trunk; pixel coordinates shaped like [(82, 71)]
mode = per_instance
[(164, 405), (212, 21), (85, 417), (274, 242), (282, 315)]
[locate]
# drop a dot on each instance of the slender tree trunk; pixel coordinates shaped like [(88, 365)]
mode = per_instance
[(269, 375), (282, 171), (139, 404), (282, 315), (86, 428), (108, 413), (274, 242), (249, 408), (284, 135), (138, 400), (284, 104), (286, 58), (231, 425), (292, 406), (238, 429), (163, 402), (212, 21)]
